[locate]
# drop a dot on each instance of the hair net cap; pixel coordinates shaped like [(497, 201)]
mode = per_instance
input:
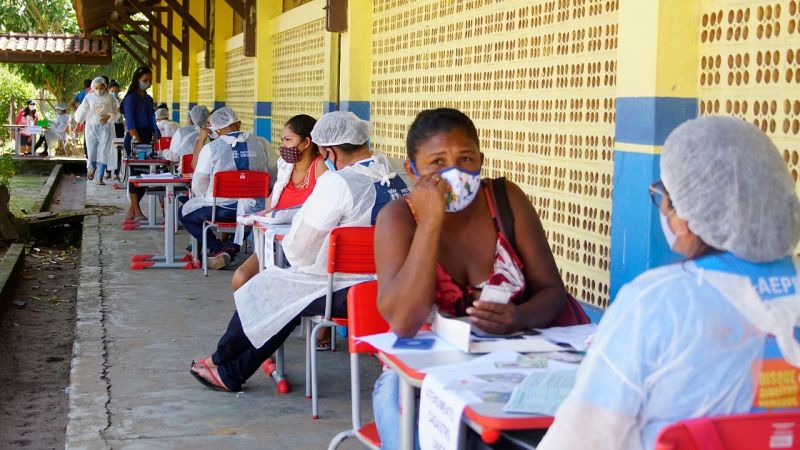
[(61, 106), (161, 113), (727, 180), (223, 117), (340, 127), (199, 115), (98, 81)]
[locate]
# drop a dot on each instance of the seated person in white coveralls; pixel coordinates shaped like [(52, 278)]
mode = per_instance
[(269, 306), (234, 150)]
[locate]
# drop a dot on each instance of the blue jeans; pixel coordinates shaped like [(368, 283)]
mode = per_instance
[(101, 169), (193, 223), (386, 409)]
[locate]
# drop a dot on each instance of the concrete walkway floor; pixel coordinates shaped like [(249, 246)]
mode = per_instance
[(136, 334)]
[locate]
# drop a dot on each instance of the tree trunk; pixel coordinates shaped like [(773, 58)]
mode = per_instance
[(7, 229)]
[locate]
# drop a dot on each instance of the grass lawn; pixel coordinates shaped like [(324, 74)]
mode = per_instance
[(25, 190)]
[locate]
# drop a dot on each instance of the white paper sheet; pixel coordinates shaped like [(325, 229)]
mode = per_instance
[(157, 176), (440, 411), (577, 336)]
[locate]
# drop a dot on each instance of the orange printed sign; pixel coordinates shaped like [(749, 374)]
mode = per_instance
[(778, 385)]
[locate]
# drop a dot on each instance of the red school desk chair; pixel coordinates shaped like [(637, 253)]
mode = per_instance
[(363, 319), (186, 164), (236, 184), (752, 431), (163, 143), (351, 251)]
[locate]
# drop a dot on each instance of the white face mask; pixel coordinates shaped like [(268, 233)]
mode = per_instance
[(668, 233)]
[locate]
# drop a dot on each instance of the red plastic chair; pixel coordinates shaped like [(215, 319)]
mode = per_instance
[(236, 184), (186, 164), (162, 144), (736, 432), (350, 250), (363, 320)]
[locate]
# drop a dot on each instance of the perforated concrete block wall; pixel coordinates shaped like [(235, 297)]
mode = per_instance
[(750, 67), (297, 75), (539, 80), (240, 86), (205, 85), (184, 95)]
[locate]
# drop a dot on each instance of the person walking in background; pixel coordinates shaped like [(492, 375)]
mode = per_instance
[(99, 110)]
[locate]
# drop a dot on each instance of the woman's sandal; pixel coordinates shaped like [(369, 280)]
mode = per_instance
[(216, 382), (323, 345)]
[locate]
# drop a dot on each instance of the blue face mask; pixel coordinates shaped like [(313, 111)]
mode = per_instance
[(331, 165)]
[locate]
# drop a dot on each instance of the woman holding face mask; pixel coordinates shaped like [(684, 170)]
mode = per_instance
[(462, 245), (137, 106)]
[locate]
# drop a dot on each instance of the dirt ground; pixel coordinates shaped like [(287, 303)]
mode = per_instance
[(36, 335)]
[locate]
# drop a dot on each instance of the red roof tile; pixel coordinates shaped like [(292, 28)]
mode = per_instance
[(55, 48)]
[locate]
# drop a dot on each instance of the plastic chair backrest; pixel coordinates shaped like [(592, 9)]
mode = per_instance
[(163, 143), (241, 184), (351, 250), (736, 432), (363, 318), (186, 164)]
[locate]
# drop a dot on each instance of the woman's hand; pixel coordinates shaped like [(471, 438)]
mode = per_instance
[(495, 318), (104, 118), (427, 197)]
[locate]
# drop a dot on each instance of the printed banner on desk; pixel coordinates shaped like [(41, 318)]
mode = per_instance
[(440, 411)]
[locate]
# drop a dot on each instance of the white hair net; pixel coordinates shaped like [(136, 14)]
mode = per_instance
[(99, 81), (727, 180), (162, 113), (199, 115), (223, 117), (340, 127), (61, 106)]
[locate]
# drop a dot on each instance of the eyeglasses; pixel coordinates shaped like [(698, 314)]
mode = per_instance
[(658, 193)]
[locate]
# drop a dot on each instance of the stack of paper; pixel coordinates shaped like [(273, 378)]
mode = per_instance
[(157, 176), (541, 392)]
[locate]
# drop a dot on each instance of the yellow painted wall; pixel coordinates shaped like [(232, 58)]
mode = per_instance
[(539, 80)]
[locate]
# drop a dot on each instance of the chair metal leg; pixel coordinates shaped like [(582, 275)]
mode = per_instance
[(308, 360), (339, 438), (314, 388), (205, 251)]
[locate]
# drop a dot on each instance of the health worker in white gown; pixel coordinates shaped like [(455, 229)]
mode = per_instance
[(686, 340)]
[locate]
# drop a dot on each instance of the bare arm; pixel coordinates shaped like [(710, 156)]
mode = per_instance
[(198, 145), (406, 254)]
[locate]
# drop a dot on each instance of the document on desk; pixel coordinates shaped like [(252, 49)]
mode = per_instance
[(157, 176), (440, 411), (460, 333), (541, 392), (577, 336)]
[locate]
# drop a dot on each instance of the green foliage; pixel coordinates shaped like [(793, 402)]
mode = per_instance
[(57, 16), (8, 167), (12, 89)]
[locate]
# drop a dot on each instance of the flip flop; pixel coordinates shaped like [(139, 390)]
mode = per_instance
[(206, 383), (323, 345)]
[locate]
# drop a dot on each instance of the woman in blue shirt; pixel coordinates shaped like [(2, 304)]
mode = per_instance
[(686, 340), (137, 107)]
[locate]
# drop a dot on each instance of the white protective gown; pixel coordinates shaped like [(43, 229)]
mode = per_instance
[(218, 156), (99, 136), (274, 297), (57, 131), (182, 143), (167, 128), (679, 342)]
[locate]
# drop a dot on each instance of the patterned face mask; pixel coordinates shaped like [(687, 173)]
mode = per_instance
[(290, 154), (464, 187)]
